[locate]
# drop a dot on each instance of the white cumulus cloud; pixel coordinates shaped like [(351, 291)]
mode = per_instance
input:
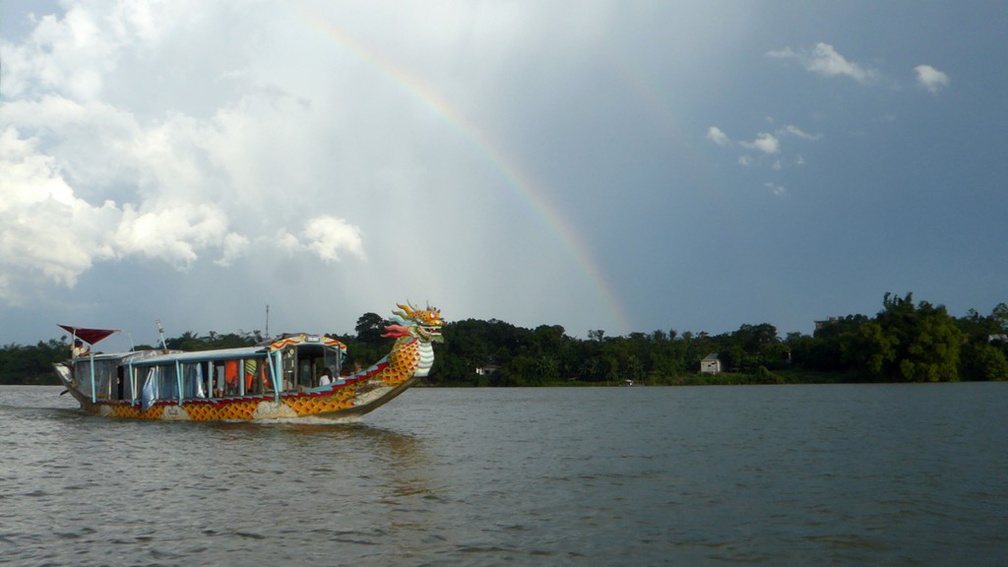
[(798, 132), (330, 237), (235, 246), (173, 233), (930, 78), (45, 230), (89, 172), (715, 135), (764, 142), (824, 60)]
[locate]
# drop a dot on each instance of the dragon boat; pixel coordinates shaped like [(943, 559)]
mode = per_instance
[(294, 377)]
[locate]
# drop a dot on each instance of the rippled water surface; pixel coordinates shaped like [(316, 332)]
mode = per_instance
[(771, 475)]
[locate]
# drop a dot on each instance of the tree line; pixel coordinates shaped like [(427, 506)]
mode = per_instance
[(904, 342)]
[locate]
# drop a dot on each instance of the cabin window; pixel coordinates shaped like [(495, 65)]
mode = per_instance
[(137, 376), (225, 378), (312, 360), (289, 368), (306, 374), (258, 376), (302, 365), (161, 383), (123, 386), (169, 382), (252, 375), (105, 382), (266, 373), (101, 377), (82, 374), (150, 387), (231, 386), (333, 362), (217, 377), (194, 384), (238, 377)]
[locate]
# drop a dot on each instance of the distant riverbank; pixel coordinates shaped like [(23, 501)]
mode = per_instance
[(797, 376)]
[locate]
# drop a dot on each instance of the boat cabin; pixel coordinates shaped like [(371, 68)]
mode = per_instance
[(292, 363)]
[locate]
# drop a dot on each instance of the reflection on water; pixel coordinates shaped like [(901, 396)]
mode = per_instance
[(897, 475)]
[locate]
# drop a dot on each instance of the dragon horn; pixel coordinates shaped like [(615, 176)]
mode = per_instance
[(408, 309)]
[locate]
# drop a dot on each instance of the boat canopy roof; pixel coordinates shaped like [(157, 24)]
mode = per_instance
[(201, 355), (259, 351), (292, 339), (90, 336)]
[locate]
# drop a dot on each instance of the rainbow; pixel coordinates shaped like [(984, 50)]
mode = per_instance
[(512, 173)]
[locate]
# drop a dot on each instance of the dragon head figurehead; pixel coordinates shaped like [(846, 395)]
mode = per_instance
[(422, 324)]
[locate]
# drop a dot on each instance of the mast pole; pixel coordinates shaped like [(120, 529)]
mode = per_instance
[(160, 331)]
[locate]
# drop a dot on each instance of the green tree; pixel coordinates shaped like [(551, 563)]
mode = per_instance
[(31, 364), (870, 349), (831, 348), (927, 341), (1000, 317), (369, 328), (984, 361)]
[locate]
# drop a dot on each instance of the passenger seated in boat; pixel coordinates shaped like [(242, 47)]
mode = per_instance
[(326, 378), (78, 349)]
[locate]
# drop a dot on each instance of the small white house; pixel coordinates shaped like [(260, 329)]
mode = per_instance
[(486, 370), (710, 364)]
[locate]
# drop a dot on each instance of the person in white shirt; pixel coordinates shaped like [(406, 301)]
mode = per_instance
[(78, 349)]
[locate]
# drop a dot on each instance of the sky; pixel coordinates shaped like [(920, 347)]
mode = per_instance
[(622, 166)]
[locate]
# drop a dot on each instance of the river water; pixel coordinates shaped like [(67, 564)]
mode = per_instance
[(764, 475)]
